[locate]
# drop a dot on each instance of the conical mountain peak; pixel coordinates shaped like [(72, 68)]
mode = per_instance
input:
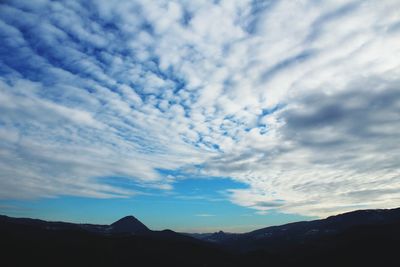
[(129, 224)]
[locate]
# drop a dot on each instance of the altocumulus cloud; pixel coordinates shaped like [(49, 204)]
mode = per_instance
[(300, 100)]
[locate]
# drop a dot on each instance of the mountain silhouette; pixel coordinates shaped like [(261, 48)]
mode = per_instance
[(275, 238), (360, 238), (129, 224)]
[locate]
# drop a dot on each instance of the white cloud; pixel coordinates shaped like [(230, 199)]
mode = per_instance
[(299, 100)]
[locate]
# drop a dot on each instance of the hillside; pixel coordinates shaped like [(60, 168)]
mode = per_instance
[(359, 238)]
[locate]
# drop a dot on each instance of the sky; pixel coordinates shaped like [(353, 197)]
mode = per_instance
[(198, 115)]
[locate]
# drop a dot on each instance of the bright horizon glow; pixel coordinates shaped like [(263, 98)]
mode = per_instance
[(280, 110)]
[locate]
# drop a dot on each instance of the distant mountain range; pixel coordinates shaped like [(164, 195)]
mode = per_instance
[(302, 232), (128, 224), (359, 238)]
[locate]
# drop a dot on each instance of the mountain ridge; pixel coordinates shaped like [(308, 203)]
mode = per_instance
[(359, 238), (304, 229)]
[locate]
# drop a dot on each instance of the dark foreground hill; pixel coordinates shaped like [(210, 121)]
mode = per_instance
[(25, 242), (275, 238), (360, 238)]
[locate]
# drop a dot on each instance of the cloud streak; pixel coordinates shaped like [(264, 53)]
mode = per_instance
[(298, 100)]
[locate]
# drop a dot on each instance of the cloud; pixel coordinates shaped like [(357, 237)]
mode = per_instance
[(305, 113)]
